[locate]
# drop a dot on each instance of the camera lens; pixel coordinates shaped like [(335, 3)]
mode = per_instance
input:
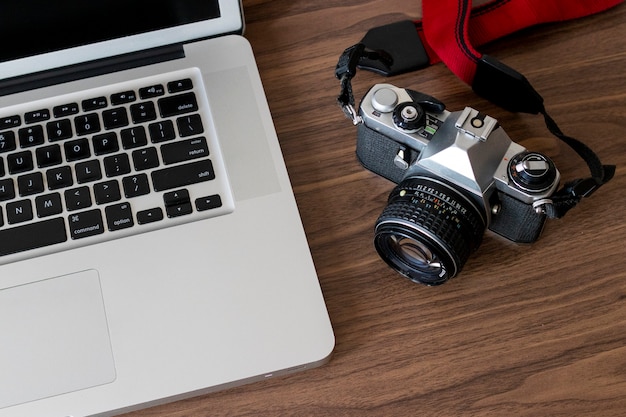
[(428, 230)]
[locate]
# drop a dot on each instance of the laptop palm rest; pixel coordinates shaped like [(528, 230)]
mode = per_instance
[(63, 330)]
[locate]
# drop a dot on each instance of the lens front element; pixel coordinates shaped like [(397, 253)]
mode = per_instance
[(416, 254), (428, 230)]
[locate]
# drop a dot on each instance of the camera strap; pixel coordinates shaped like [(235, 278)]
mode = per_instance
[(445, 33)]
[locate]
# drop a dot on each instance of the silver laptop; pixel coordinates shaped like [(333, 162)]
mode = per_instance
[(150, 243)]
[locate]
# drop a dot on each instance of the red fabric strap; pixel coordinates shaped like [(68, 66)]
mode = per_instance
[(450, 28)]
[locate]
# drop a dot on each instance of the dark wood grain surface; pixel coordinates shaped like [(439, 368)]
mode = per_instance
[(535, 330)]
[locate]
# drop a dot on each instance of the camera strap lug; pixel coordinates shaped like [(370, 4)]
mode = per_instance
[(352, 114), (540, 206)]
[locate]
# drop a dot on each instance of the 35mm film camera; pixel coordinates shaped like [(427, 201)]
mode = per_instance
[(457, 173)]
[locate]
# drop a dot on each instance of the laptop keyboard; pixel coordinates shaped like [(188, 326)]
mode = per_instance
[(107, 163)]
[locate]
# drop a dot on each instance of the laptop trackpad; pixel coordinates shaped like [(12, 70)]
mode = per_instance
[(59, 341)]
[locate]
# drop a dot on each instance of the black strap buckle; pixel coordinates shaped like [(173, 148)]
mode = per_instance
[(583, 188)]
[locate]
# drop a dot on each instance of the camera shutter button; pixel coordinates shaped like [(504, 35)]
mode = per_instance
[(384, 100)]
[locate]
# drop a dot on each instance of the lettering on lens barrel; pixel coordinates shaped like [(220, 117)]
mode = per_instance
[(457, 173)]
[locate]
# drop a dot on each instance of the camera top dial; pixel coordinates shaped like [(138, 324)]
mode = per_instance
[(409, 116), (532, 171)]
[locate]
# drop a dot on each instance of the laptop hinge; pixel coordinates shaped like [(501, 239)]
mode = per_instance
[(90, 69)]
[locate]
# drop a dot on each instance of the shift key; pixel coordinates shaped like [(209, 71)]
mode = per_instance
[(182, 175)]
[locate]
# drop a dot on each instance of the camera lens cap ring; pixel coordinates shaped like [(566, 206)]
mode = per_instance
[(409, 116)]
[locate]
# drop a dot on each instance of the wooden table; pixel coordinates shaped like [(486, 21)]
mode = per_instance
[(535, 330)]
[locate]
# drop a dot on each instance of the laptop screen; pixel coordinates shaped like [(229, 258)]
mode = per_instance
[(39, 35), (63, 24)]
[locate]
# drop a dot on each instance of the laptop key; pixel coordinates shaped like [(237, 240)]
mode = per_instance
[(116, 165), (88, 171), (115, 118), (179, 85), (10, 121), (134, 137), (31, 136), (59, 129), (7, 141), (19, 211), (60, 177), (77, 149), (208, 202), (85, 224), (182, 175), (65, 110), (94, 103), (107, 192), (184, 150), (48, 205), (150, 215), (151, 91), (178, 210), (136, 185), (180, 104), (119, 216), (174, 198), (29, 184), (20, 162), (123, 97), (145, 159), (189, 125), (77, 198), (87, 123), (142, 112), (162, 131), (37, 116), (48, 156), (32, 236), (105, 143), (7, 189)]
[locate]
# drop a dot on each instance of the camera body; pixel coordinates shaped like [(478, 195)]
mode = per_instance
[(457, 173)]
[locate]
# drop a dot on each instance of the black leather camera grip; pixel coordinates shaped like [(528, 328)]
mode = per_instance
[(517, 221), (377, 152)]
